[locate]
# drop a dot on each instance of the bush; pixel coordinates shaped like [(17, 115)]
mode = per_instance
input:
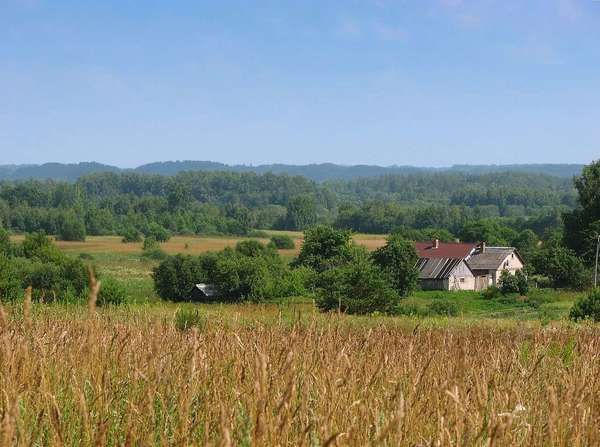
[(131, 235), (155, 254), (11, 287), (491, 293), (283, 242), (445, 308), (176, 275), (516, 283), (150, 243), (158, 232), (71, 229), (111, 292), (299, 282), (238, 276), (252, 248), (358, 287), (186, 319), (588, 307), (562, 266)]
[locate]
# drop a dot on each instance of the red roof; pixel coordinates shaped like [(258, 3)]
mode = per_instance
[(454, 250)]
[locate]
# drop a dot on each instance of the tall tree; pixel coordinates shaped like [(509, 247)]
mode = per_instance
[(582, 225), (398, 258), (325, 247), (301, 213)]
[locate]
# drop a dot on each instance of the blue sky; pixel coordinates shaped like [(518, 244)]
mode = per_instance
[(422, 82)]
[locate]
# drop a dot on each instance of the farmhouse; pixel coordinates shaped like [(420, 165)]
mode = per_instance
[(443, 266), (463, 266)]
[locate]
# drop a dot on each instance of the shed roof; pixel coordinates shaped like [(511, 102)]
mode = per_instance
[(208, 289), (491, 259), (452, 250), (437, 268)]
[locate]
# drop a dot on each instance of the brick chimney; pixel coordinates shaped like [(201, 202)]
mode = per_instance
[(483, 247), (436, 243)]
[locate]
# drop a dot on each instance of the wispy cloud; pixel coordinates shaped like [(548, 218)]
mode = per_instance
[(451, 4), (389, 32), (376, 29), (537, 51), (349, 28), (569, 10)]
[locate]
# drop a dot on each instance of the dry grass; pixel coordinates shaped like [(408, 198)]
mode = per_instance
[(106, 379)]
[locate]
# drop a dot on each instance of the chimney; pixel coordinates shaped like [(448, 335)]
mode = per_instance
[(483, 247), (436, 243)]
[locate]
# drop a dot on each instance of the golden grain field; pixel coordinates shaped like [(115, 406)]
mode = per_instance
[(109, 378)]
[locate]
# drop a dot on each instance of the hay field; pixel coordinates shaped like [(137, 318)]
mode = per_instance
[(192, 244), (130, 377)]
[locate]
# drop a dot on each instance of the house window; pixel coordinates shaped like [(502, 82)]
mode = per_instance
[(462, 279)]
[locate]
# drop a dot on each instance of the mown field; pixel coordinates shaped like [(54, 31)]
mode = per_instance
[(498, 373)]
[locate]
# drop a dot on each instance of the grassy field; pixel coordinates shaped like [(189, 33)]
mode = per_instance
[(125, 262)]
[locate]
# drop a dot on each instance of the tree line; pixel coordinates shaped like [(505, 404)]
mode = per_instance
[(239, 203)]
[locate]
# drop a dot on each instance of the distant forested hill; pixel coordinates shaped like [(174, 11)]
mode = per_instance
[(53, 171), (317, 172)]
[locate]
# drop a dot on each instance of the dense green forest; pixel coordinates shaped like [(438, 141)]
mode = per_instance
[(317, 172), (129, 203)]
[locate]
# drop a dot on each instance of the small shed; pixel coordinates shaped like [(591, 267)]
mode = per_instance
[(203, 292)]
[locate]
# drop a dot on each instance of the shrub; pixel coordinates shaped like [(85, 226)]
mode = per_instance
[(239, 277), (111, 292), (358, 287), (5, 244), (516, 283), (299, 282), (158, 232), (131, 235), (150, 243), (38, 245), (587, 307), (562, 266), (176, 275), (186, 319), (155, 254), (491, 293), (252, 248), (283, 242), (445, 308), (71, 228), (11, 287)]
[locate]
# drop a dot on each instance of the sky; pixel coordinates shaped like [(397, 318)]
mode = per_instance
[(421, 82)]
